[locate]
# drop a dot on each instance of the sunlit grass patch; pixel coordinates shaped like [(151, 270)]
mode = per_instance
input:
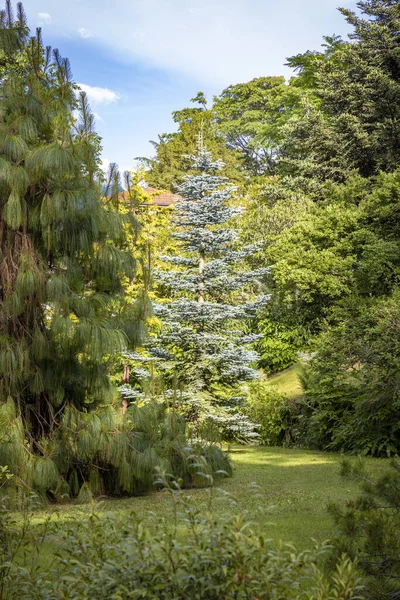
[(288, 382), (284, 491)]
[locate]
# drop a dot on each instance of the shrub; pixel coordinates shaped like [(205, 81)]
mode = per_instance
[(278, 348), (20, 542), (193, 556), (104, 451), (352, 382), (271, 409), (369, 529)]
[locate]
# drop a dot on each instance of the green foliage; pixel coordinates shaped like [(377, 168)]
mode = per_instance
[(250, 117), (171, 162), (349, 127), (107, 451), (330, 263), (352, 383), (45, 474), (313, 258), (336, 271), (18, 540), (66, 307), (317, 161), (279, 347), (320, 157), (369, 528), (61, 254), (199, 556), (85, 495), (272, 410)]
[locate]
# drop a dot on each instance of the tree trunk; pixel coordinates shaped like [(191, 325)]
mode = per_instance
[(201, 278)]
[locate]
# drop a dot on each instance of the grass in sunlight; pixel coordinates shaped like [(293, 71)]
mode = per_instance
[(284, 491), (288, 381)]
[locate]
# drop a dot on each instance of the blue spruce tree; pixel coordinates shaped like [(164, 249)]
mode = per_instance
[(203, 340)]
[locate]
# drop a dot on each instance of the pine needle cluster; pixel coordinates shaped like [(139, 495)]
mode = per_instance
[(64, 256)]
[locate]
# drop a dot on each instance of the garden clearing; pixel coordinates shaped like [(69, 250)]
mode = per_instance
[(284, 491)]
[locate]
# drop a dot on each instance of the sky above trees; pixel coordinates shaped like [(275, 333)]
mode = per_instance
[(139, 60)]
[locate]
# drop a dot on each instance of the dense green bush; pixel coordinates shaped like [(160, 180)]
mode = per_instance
[(280, 344), (191, 556), (105, 451), (271, 410), (352, 383), (369, 529)]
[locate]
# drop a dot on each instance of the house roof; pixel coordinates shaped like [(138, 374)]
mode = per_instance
[(161, 198), (158, 198)]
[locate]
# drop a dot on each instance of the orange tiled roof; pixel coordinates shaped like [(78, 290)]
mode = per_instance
[(161, 198), (158, 198)]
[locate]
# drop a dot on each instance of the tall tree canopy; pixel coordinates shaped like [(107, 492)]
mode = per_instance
[(64, 253), (354, 124), (171, 162)]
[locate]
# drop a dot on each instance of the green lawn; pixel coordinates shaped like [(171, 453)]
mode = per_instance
[(288, 382), (284, 492), (289, 504)]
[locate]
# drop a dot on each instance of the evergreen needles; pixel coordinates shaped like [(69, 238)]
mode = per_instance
[(63, 260), (213, 293)]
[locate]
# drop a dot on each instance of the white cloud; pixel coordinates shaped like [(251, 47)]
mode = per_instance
[(99, 95), (225, 41), (43, 18), (105, 163), (215, 42), (85, 33), (98, 117)]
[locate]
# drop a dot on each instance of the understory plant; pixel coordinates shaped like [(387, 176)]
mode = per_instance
[(105, 451), (272, 410), (369, 528), (352, 382), (194, 555)]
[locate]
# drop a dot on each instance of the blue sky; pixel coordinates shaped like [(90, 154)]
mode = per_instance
[(141, 59)]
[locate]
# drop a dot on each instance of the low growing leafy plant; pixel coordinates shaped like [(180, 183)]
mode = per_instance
[(194, 556), (271, 409)]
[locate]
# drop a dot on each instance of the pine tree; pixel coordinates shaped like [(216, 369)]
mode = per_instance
[(54, 239), (63, 258), (204, 324), (58, 264)]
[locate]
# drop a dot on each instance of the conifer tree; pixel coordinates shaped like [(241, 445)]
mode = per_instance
[(58, 266), (63, 255), (204, 324)]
